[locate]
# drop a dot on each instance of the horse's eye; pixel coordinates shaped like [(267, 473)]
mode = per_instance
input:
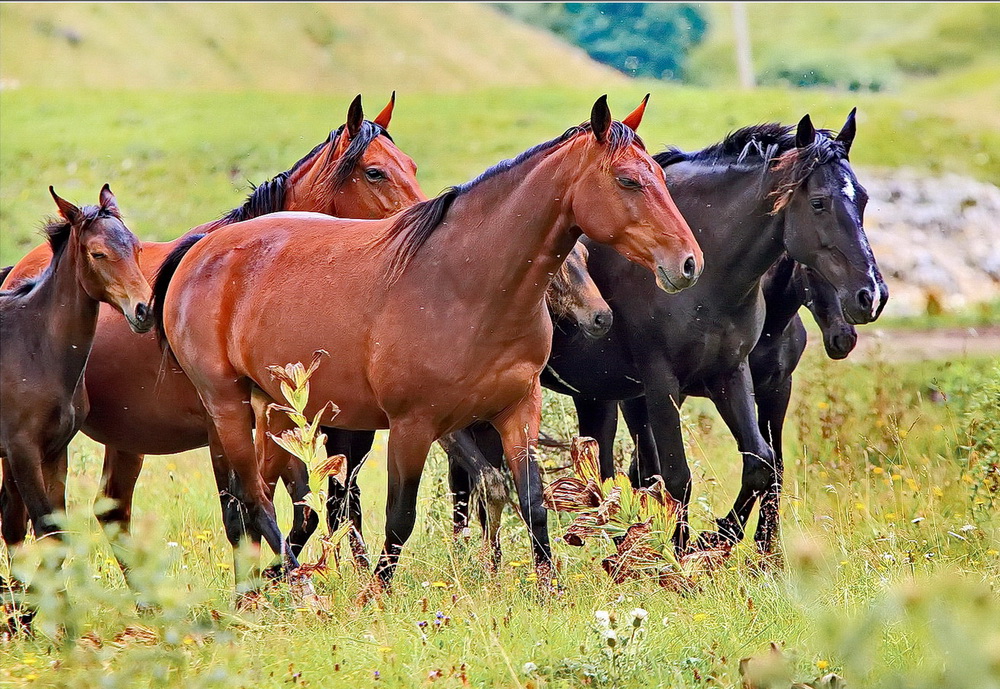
[(817, 204), (629, 183), (374, 174), (98, 255)]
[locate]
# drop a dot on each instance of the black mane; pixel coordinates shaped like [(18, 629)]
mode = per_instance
[(414, 226), (269, 197)]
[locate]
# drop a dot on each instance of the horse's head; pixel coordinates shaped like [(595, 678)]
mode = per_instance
[(359, 172), (620, 198), (108, 258), (820, 297), (823, 205), (574, 296)]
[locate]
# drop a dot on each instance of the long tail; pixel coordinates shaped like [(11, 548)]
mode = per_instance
[(162, 282)]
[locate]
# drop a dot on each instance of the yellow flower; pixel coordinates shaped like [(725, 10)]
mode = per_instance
[(878, 470), (822, 405), (822, 664), (890, 515), (222, 565), (991, 551), (699, 617), (937, 492), (171, 466), (439, 584), (912, 485), (859, 506), (29, 659)]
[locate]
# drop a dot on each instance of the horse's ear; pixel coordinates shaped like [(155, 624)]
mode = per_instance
[(108, 201), (806, 133), (355, 116), (635, 117), (600, 118), (383, 117), (847, 132), (67, 210)]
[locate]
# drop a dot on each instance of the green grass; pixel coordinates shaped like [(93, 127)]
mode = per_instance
[(289, 47), (890, 531), (176, 160)]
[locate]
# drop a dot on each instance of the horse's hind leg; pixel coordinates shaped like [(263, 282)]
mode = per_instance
[(518, 428), (118, 479), (345, 501)]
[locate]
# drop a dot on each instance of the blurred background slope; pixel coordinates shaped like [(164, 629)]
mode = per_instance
[(182, 106)]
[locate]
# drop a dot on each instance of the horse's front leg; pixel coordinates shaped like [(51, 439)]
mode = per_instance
[(518, 428), (645, 463), (772, 405), (409, 442), (598, 419), (663, 401), (762, 474)]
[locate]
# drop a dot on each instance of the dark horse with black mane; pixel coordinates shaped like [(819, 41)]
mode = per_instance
[(475, 464), (763, 191)]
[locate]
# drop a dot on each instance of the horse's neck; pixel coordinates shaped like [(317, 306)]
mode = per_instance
[(503, 242), (68, 313), (780, 295), (731, 208)]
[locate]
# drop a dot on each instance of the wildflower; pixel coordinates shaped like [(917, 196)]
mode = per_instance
[(603, 618), (991, 551), (377, 675), (171, 544), (822, 664), (700, 617), (878, 470), (439, 584), (937, 492), (529, 667), (638, 615), (610, 638)]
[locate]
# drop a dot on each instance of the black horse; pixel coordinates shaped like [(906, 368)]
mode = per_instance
[(762, 191), (475, 459)]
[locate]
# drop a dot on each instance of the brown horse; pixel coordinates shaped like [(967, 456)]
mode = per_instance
[(140, 406), (573, 300), (436, 317), (46, 329)]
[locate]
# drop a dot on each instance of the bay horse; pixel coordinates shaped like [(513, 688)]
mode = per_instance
[(47, 327), (573, 301), (139, 403), (764, 190), (437, 315)]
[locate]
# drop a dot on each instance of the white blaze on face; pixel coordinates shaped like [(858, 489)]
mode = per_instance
[(848, 187)]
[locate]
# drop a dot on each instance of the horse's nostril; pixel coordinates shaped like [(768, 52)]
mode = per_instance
[(141, 312), (865, 299), (689, 267), (602, 320)]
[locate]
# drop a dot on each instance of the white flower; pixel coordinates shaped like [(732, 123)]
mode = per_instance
[(603, 618), (638, 616), (529, 667), (610, 637)]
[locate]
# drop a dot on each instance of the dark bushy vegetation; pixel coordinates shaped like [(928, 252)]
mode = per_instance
[(638, 39)]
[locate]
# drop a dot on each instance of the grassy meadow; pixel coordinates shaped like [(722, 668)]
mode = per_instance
[(891, 509), (890, 529)]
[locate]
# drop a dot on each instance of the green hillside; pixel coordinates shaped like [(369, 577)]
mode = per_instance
[(315, 47), (943, 55)]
